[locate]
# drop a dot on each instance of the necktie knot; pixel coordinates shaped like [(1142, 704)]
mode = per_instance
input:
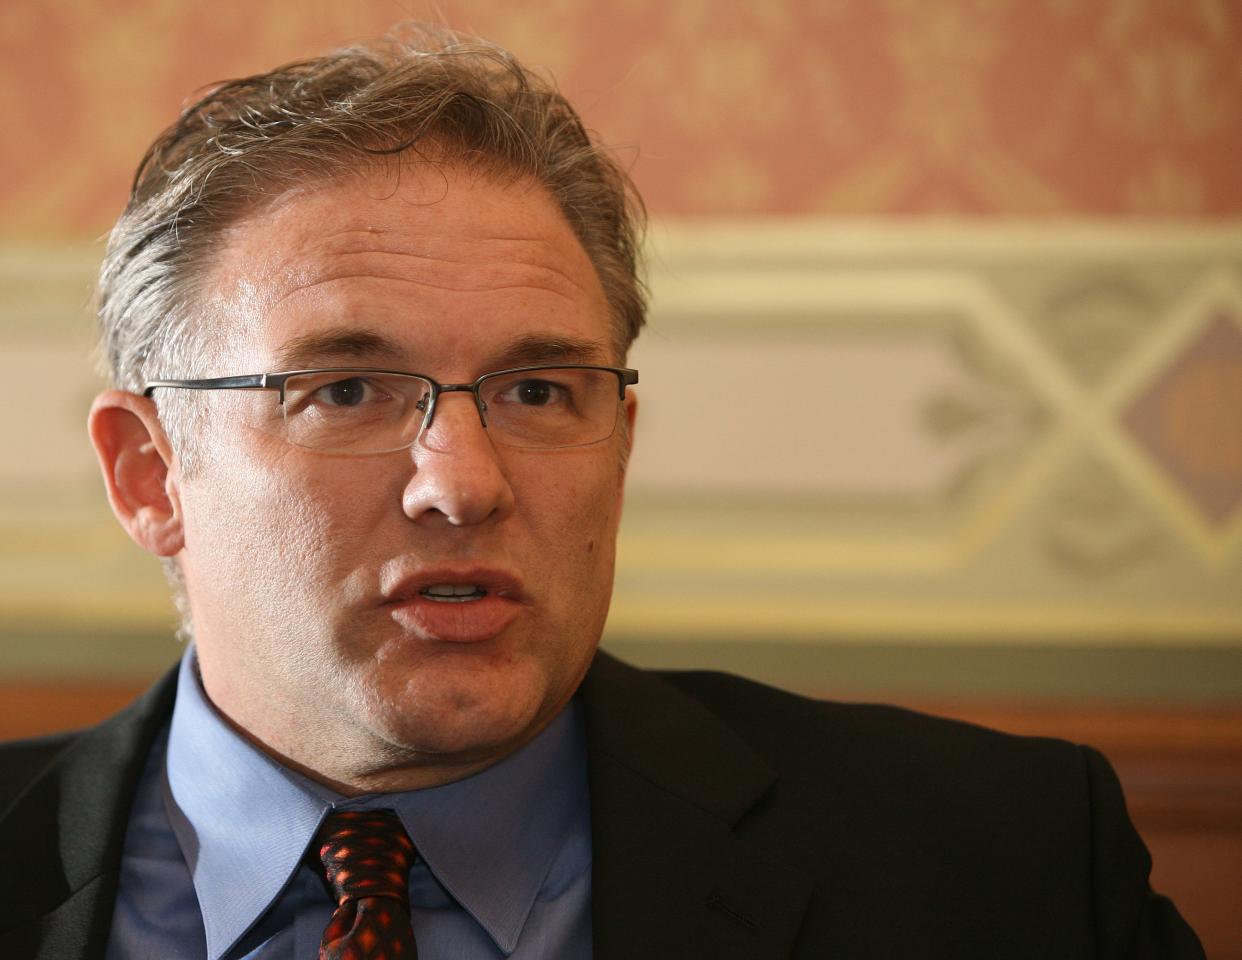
[(366, 853), (366, 856)]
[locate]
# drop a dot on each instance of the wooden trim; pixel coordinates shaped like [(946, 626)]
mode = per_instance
[(31, 709)]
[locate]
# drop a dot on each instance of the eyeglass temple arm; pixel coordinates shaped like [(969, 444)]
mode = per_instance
[(257, 381)]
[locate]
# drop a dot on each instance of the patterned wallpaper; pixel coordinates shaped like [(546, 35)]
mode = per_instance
[(985, 254), (1014, 108)]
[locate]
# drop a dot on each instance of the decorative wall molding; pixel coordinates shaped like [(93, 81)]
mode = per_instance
[(924, 432), (938, 437)]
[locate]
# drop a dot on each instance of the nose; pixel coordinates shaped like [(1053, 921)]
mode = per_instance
[(457, 476)]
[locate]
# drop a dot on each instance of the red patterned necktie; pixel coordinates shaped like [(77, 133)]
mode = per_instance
[(366, 857)]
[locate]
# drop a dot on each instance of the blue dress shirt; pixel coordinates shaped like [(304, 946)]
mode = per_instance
[(214, 864)]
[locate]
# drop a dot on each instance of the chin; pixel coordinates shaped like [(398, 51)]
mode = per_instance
[(472, 717)]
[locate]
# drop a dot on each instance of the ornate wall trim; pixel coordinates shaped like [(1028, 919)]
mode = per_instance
[(924, 432)]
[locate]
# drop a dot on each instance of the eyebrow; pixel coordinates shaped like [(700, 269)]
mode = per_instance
[(535, 348), (349, 345), (340, 343)]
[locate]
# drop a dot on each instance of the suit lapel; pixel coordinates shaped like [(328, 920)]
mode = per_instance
[(67, 829), (668, 784)]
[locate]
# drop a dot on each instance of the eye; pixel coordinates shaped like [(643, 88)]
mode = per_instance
[(344, 393), (348, 396), (534, 393), (546, 392)]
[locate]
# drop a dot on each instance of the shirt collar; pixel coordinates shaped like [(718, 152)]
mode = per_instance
[(491, 839)]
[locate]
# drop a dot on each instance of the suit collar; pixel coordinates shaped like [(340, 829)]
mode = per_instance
[(494, 840), (669, 783), (77, 811)]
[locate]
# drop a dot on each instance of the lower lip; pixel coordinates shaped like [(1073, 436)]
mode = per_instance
[(470, 621)]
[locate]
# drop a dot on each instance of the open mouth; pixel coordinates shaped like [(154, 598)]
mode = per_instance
[(453, 592), (456, 606)]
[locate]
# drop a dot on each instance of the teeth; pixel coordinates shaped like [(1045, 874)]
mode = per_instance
[(454, 592), (452, 589)]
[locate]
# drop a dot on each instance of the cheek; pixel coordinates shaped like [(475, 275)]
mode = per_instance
[(279, 519), (579, 512), (328, 519)]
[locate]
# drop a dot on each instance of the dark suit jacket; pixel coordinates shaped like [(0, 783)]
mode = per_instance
[(730, 820)]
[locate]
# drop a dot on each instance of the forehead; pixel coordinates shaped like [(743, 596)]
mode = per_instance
[(440, 261)]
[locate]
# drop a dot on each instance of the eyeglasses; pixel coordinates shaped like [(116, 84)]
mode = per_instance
[(363, 411)]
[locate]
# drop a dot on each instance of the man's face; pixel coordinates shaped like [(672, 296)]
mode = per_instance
[(305, 570)]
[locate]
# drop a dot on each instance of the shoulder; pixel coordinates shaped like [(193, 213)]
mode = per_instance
[(879, 763), (789, 730), (877, 788), (22, 761), (967, 821), (1022, 845), (112, 749)]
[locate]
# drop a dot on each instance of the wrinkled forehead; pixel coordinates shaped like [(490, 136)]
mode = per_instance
[(434, 216), (423, 251)]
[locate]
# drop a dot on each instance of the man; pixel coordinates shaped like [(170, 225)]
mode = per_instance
[(368, 317)]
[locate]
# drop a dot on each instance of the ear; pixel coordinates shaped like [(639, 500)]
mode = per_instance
[(139, 470), (631, 417)]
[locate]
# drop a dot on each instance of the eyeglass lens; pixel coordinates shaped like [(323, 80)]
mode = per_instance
[(366, 412)]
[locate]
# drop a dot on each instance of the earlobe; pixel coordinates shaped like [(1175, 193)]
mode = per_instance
[(138, 470)]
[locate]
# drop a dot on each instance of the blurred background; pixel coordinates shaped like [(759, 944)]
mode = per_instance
[(979, 261)]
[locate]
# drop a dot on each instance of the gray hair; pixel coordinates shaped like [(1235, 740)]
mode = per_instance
[(427, 92)]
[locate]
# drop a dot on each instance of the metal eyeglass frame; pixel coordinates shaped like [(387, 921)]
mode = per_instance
[(276, 381)]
